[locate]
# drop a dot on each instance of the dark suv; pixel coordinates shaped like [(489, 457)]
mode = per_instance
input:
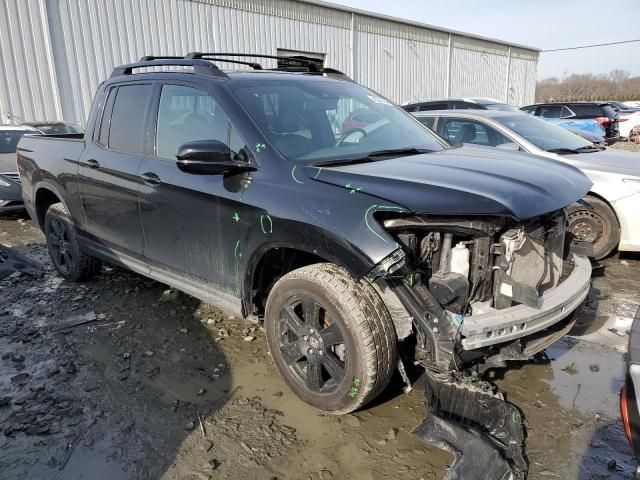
[(459, 104), (603, 113), (248, 190)]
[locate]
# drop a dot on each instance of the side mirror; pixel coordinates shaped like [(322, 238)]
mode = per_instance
[(208, 157)]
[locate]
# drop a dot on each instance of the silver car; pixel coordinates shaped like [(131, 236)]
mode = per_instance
[(609, 218)]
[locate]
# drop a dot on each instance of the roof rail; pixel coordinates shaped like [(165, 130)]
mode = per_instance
[(200, 67), (148, 58), (305, 64), (313, 66)]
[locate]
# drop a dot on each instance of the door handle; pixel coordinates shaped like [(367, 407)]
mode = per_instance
[(151, 179), (92, 163)]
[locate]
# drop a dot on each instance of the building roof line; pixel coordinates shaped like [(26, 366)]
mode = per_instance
[(366, 13)]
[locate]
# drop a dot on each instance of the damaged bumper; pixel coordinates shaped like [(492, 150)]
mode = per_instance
[(499, 326)]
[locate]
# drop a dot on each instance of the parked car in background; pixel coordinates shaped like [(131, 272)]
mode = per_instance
[(10, 191), (595, 138), (609, 218), (622, 107), (582, 115), (55, 127), (458, 103)]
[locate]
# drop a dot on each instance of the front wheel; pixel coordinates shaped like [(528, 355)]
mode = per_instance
[(597, 226), (331, 339)]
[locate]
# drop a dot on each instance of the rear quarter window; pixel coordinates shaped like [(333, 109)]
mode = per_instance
[(586, 109), (127, 129)]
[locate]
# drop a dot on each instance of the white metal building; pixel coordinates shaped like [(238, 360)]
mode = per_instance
[(54, 53)]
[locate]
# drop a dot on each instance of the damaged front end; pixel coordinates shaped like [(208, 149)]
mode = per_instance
[(478, 292)]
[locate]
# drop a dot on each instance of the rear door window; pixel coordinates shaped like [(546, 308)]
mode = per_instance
[(550, 111), (105, 122), (470, 131), (427, 121), (127, 129)]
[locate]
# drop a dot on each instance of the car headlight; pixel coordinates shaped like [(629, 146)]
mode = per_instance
[(633, 183), (4, 184)]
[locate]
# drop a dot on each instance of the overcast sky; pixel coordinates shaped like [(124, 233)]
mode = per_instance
[(544, 24)]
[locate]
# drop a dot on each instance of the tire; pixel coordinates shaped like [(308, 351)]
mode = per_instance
[(331, 339), (597, 226), (70, 261)]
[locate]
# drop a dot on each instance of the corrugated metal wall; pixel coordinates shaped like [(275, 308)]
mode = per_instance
[(28, 86), (55, 52)]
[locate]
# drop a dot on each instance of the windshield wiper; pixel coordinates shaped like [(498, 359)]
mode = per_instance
[(585, 149), (373, 156)]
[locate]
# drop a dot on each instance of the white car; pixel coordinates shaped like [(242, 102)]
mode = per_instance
[(628, 121), (609, 218)]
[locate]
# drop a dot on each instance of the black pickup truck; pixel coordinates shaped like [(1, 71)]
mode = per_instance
[(254, 190)]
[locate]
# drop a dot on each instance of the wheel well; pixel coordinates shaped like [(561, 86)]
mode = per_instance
[(600, 197), (44, 199), (274, 264)]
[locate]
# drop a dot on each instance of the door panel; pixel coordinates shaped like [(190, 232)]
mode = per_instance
[(109, 173), (188, 219)]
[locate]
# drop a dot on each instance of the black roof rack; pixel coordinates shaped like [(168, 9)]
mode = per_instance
[(310, 64), (202, 64), (148, 58), (306, 65), (201, 67)]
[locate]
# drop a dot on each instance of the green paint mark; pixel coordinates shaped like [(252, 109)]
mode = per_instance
[(352, 189), (411, 279), (515, 416), (379, 207), (264, 230), (260, 147), (355, 387), (293, 175), (236, 217), (317, 174)]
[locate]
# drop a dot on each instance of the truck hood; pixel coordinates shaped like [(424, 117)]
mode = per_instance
[(607, 160), (464, 181)]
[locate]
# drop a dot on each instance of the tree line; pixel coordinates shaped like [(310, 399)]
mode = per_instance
[(616, 85)]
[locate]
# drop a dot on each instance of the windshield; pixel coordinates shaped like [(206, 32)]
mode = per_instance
[(315, 119), (542, 134), (9, 140)]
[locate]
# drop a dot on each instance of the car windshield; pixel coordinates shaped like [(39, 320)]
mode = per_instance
[(9, 140), (543, 134), (313, 120)]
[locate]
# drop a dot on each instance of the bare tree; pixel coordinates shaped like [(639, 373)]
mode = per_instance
[(617, 85)]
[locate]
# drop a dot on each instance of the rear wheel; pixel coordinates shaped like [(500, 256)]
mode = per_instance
[(331, 339), (597, 225), (70, 261)]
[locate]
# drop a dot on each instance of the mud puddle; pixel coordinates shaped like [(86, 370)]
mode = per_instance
[(570, 405)]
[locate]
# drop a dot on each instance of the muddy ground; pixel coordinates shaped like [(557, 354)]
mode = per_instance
[(158, 385)]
